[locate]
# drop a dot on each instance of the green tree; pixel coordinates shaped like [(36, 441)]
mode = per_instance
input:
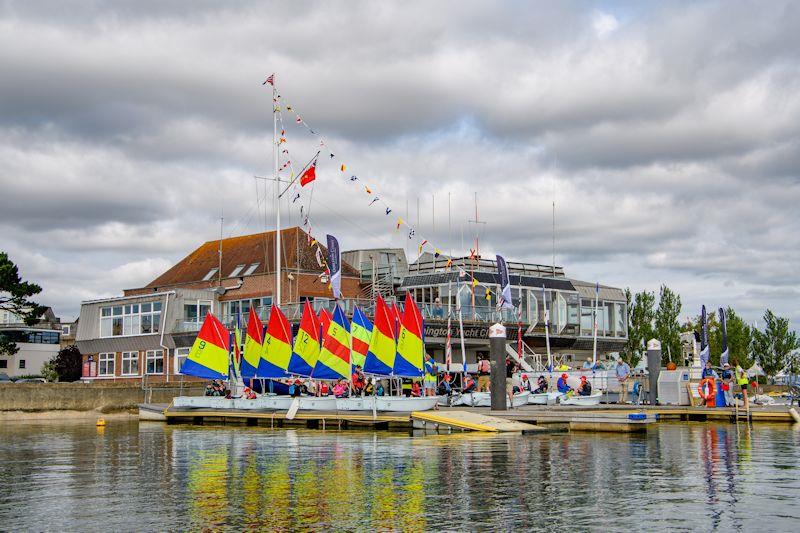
[(49, 370), (67, 363), (772, 346), (667, 327), (641, 314), (14, 297)]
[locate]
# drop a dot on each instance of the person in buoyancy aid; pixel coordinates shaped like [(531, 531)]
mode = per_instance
[(358, 380), (369, 388), (562, 384), (541, 385), (469, 385), (525, 383), (585, 388), (406, 387), (445, 388)]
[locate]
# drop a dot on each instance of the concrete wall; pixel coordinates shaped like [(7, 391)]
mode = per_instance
[(85, 397)]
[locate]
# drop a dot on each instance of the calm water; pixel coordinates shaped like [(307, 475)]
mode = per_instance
[(73, 476)]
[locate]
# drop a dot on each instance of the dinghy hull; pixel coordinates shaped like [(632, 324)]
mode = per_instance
[(593, 399)]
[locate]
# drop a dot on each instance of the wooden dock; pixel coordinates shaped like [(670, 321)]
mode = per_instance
[(531, 418)]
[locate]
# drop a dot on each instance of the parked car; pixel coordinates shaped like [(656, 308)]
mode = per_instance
[(31, 380), (4, 378)]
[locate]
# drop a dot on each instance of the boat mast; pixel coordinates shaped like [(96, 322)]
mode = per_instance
[(277, 196)]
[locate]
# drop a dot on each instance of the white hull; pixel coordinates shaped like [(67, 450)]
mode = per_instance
[(484, 399), (202, 402), (401, 404), (593, 399), (544, 398), (318, 403), (354, 404)]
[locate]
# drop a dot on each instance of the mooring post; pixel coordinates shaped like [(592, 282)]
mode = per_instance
[(497, 351), (653, 368)]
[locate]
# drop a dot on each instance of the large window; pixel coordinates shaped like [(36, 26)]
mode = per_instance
[(105, 366), (31, 337), (180, 356), (130, 363), (231, 308), (622, 320), (587, 317), (131, 319), (155, 362), (196, 310)]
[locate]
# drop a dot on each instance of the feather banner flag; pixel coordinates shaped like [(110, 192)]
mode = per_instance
[(307, 344), (505, 284), (361, 333), (410, 343), (382, 343), (210, 355), (334, 358), (723, 323), (335, 266), (704, 351), (253, 345), (277, 346)]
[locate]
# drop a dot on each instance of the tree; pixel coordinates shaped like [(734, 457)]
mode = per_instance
[(67, 363), (667, 327), (641, 315), (772, 346), (14, 297)]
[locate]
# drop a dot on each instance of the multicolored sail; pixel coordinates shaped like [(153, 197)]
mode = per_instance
[(361, 331), (253, 345), (277, 346), (210, 355), (398, 318), (334, 359), (236, 345), (410, 344), (382, 346), (306, 344), (324, 322)]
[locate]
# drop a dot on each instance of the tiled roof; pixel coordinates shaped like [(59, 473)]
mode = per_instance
[(246, 250)]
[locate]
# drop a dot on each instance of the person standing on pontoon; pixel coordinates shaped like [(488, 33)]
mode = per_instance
[(623, 372), (430, 375), (511, 367), (484, 369)]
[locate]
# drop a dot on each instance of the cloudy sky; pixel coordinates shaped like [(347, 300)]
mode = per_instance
[(668, 135)]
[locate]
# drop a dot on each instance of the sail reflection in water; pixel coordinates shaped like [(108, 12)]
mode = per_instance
[(327, 481), (67, 476)]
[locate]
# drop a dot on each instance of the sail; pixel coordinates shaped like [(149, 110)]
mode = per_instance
[(334, 359), (361, 332), (410, 344), (382, 346), (398, 318), (253, 345), (324, 322), (277, 346), (209, 356), (306, 345)]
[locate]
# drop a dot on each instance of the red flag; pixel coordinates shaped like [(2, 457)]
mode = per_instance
[(270, 80), (309, 175)]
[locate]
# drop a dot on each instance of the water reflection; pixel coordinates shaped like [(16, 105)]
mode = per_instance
[(687, 476)]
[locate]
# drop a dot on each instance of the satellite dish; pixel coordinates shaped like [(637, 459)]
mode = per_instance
[(220, 290)]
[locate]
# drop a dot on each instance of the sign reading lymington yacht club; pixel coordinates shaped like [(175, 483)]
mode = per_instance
[(470, 332)]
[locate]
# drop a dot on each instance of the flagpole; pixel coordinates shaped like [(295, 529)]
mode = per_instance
[(277, 195), (594, 342), (547, 332)]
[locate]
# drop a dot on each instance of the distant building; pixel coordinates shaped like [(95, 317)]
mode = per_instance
[(36, 344), (148, 331)]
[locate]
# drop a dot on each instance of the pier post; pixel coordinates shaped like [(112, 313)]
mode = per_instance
[(653, 368), (497, 356)]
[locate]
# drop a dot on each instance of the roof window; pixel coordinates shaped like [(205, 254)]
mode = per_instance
[(252, 268), (210, 274), (237, 270)]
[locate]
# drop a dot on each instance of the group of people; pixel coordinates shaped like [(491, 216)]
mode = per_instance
[(727, 379), (217, 388), (584, 388)]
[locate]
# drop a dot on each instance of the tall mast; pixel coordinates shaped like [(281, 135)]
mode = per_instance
[(277, 195)]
